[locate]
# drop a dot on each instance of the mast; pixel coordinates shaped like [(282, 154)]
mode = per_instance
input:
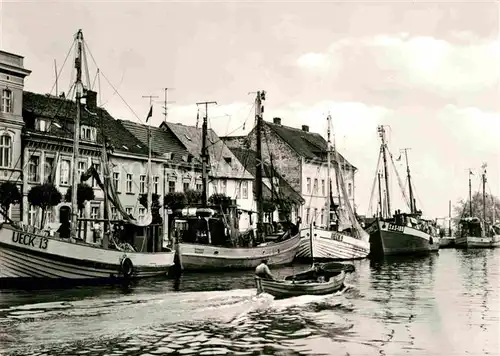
[(383, 149), (470, 193), (449, 216), (259, 109), (204, 153), (76, 133), (484, 194), (337, 172), (410, 188), (328, 168), (381, 214)]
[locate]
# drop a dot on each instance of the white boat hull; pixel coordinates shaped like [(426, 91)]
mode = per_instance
[(477, 242), (207, 257), (25, 255), (330, 245), (286, 289)]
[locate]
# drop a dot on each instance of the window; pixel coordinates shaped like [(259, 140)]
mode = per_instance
[(5, 150), (128, 211), (223, 186), (88, 133), (94, 212), (6, 103), (43, 125), (156, 185), (323, 190), (186, 186), (114, 213), (322, 217), (142, 184), (142, 213), (82, 167), (129, 183), (65, 172), (31, 215), (171, 187), (49, 216), (244, 190), (97, 167), (33, 169), (116, 181), (307, 214), (308, 185), (349, 189), (315, 187), (199, 187), (49, 164), (315, 217)]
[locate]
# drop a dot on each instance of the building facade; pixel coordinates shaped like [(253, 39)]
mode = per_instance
[(12, 76), (300, 158), (227, 175)]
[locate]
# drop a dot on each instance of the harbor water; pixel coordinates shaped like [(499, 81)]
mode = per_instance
[(444, 304)]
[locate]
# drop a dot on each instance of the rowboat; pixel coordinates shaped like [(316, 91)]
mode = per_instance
[(292, 288)]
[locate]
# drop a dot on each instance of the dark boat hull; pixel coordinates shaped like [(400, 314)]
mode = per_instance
[(387, 239)]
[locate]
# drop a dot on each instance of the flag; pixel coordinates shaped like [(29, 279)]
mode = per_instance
[(150, 113), (197, 117), (399, 158), (470, 173)]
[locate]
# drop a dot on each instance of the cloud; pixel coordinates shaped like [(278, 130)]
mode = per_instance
[(405, 63)]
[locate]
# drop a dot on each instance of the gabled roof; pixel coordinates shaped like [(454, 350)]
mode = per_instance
[(63, 112), (163, 142), (191, 137), (249, 159), (306, 144)]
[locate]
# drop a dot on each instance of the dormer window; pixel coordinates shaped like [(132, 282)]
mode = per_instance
[(6, 101), (43, 125), (88, 133)]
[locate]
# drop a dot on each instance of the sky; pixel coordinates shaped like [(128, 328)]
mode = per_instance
[(428, 70)]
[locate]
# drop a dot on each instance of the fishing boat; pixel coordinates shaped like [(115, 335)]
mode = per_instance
[(31, 254), (206, 238), (345, 240), (399, 233), (320, 279), (475, 232)]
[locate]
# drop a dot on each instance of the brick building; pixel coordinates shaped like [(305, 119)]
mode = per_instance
[(300, 157)]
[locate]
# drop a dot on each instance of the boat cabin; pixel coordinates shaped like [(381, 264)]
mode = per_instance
[(471, 227)]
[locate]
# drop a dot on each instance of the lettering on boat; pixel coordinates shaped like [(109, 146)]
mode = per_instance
[(337, 237), (35, 241), (199, 250), (397, 228)]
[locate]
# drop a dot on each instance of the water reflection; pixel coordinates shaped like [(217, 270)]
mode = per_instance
[(420, 306)]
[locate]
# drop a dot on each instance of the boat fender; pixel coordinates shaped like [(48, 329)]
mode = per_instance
[(127, 267)]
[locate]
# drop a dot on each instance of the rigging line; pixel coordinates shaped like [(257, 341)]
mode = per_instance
[(372, 194), (114, 91), (229, 134), (119, 95), (65, 59), (400, 182)]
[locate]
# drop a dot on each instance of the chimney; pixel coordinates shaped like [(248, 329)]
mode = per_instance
[(305, 128), (277, 120), (91, 100)]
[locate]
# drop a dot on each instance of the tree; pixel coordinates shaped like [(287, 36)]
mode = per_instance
[(155, 210), (84, 193), (462, 207), (44, 196), (9, 195), (285, 207), (175, 200), (220, 200), (193, 197)]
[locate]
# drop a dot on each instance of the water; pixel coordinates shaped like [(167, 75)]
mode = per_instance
[(446, 304)]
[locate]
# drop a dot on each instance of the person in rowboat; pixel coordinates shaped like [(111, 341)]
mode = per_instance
[(263, 271)]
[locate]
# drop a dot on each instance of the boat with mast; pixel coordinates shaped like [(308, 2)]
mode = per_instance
[(206, 238), (345, 240), (31, 254), (399, 233), (477, 232)]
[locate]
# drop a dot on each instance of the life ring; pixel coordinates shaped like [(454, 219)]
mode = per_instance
[(127, 267)]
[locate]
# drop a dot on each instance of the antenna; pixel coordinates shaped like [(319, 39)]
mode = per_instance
[(166, 102)]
